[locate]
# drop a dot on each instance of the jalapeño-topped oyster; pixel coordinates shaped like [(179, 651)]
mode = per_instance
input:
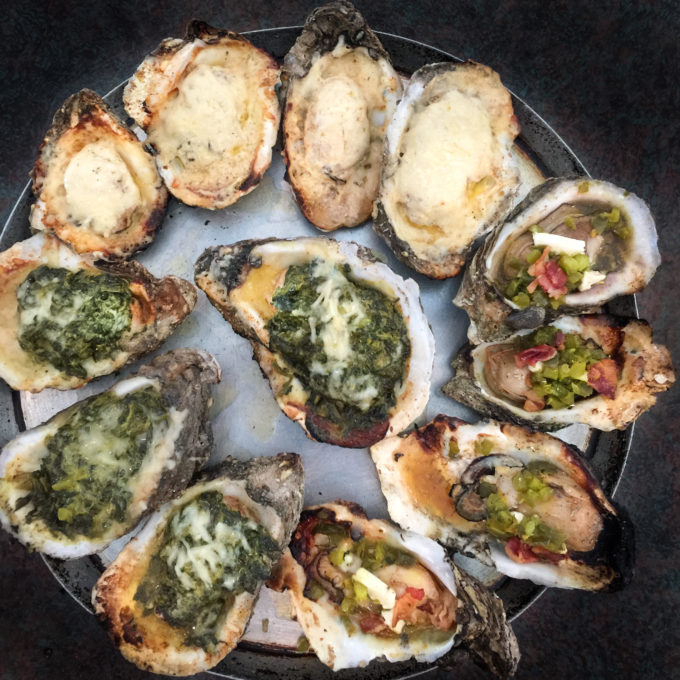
[(97, 187), (208, 105), (65, 321), (449, 174), (521, 500), (364, 590), (88, 475), (341, 338), (569, 247), (178, 597), (598, 370), (340, 94)]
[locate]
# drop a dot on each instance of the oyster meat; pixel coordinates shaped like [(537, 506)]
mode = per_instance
[(208, 105), (598, 370), (340, 94), (178, 597), (521, 500), (65, 321), (87, 476), (364, 590), (449, 174), (570, 246), (97, 187), (341, 338)]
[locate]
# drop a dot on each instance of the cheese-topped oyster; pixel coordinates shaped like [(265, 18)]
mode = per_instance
[(364, 590), (569, 247), (88, 475), (598, 370), (97, 187), (342, 339), (178, 597), (521, 500), (65, 321), (448, 171), (208, 105), (340, 94)]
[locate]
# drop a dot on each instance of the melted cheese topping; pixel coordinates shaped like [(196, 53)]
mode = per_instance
[(101, 192)]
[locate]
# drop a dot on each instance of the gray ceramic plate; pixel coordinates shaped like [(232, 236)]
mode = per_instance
[(245, 417)]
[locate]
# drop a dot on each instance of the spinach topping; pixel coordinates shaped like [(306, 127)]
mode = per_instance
[(345, 341), (70, 317), (82, 486), (208, 554)]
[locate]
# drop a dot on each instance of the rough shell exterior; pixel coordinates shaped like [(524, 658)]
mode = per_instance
[(271, 490), (158, 307), (82, 119)]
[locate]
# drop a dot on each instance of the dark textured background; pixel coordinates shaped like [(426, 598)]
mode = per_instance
[(605, 75)]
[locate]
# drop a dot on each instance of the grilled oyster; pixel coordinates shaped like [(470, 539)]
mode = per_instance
[(64, 321), (88, 475), (448, 172), (598, 370), (341, 92), (178, 597), (208, 105), (97, 187), (341, 338), (363, 590), (522, 500), (570, 246)]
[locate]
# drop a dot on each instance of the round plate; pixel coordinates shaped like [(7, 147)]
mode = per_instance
[(246, 419)]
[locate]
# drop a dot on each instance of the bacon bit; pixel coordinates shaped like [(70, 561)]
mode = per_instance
[(549, 275), (547, 555), (518, 551), (405, 605), (559, 340), (531, 356), (603, 377), (371, 623), (538, 267), (418, 593), (533, 402)]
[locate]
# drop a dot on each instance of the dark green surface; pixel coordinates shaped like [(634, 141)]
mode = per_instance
[(605, 75)]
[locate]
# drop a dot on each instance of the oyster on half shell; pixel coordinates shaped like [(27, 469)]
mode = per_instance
[(88, 475), (178, 597), (601, 242), (521, 500), (598, 370), (364, 590), (97, 186), (65, 320), (449, 174), (342, 339), (340, 94), (208, 105)]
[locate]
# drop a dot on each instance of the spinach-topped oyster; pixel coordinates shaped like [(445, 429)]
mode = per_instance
[(598, 370), (65, 320), (522, 501), (208, 105), (178, 597), (569, 247), (449, 174), (341, 338), (340, 94), (88, 475), (365, 590), (97, 186)]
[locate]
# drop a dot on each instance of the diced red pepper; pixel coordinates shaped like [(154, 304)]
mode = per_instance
[(603, 377), (531, 356)]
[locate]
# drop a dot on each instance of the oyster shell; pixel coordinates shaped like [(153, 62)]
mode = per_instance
[(87, 476), (341, 338), (178, 597), (521, 500), (356, 583), (571, 207), (96, 185), (56, 306), (208, 105), (488, 379), (448, 172), (340, 94)]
